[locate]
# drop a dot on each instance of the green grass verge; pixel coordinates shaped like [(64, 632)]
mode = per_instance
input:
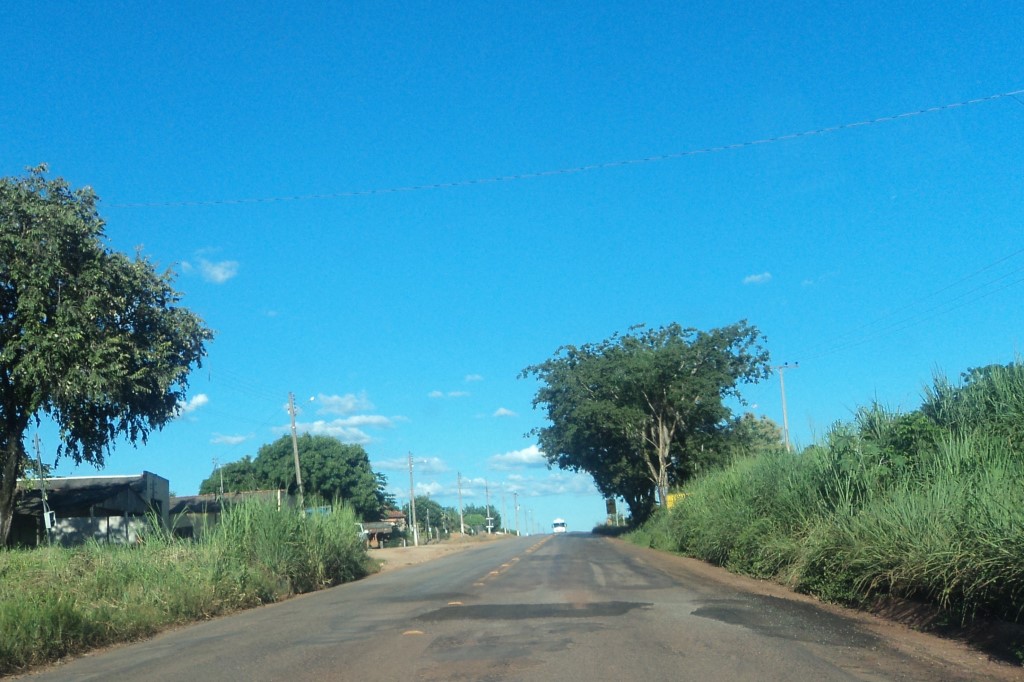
[(55, 602), (838, 521)]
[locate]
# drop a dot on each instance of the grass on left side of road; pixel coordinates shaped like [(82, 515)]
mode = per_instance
[(56, 602)]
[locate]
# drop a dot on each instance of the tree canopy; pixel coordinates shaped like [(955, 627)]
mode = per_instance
[(90, 338), (638, 411), (430, 514), (481, 511), (331, 470)]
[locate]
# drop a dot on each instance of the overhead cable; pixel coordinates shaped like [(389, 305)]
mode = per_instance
[(565, 171)]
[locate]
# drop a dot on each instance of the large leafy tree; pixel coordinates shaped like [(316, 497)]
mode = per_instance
[(331, 470), (638, 411), (90, 338)]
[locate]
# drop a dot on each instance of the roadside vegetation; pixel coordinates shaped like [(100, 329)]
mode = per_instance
[(56, 602), (926, 506)]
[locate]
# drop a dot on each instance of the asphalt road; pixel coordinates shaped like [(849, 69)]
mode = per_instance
[(568, 608)]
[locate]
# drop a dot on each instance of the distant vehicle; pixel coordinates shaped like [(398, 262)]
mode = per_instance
[(558, 526)]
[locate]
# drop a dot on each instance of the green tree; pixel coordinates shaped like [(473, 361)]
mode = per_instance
[(235, 476), (750, 434), (331, 470), (475, 521), (427, 511), (90, 338), (637, 411), (471, 509)]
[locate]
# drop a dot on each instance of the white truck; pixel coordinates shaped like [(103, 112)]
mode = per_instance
[(558, 526)]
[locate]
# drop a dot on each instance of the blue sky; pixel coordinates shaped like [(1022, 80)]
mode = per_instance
[(871, 255)]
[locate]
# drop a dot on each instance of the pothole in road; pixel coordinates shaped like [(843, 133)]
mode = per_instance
[(524, 611), (786, 619)]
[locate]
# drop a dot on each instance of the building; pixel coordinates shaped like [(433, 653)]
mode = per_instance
[(193, 515), (114, 509)]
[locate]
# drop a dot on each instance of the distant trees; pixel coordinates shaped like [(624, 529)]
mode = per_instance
[(641, 411), (90, 338), (331, 470), (475, 516), (430, 514)]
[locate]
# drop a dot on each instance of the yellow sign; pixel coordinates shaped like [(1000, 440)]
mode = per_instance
[(673, 498)]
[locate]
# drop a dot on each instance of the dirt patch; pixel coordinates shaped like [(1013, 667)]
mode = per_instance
[(392, 558)]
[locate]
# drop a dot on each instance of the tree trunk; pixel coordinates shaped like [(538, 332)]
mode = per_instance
[(12, 457)]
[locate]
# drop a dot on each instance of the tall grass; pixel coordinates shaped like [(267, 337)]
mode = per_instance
[(55, 601), (846, 521)]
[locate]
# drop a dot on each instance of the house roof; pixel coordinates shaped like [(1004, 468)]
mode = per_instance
[(74, 492), (214, 504)]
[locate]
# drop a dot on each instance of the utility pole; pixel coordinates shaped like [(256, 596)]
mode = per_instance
[(47, 518), (295, 451), (216, 466), (515, 504), (487, 497), (462, 522), (412, 506), (504, 523), (782, 384)]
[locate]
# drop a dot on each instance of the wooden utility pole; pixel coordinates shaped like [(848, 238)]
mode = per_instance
[(515, 505), (487, 497), (462, 522), (412, 506), (295, 451), (48, 518)]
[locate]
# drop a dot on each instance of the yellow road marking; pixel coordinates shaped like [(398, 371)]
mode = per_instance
[(412, 632)]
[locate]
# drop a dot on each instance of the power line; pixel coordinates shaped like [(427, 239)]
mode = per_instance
[(567, 171), (902, 323)]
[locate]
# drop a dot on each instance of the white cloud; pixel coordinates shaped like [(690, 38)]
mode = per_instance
[(342, 404), (529, 457), (191, 405), (449, 394), (555, 483), (430, 465), (432, 488), (218, 273), (347, 429), (377, 420), (763, 278), (474, 377), (504, 412), (222, 439)]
